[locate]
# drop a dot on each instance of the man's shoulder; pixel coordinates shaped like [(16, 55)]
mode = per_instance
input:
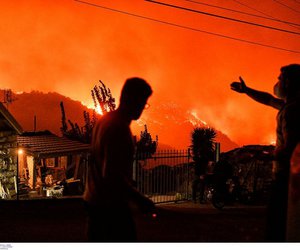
[(111, 121), (108, 118)]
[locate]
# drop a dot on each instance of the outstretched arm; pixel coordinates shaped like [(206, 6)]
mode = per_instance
[(259, 96)]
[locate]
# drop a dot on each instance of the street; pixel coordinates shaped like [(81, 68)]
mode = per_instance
[(189, 222), (64, 221)]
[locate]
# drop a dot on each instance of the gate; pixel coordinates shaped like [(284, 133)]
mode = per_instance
[(164, 176)]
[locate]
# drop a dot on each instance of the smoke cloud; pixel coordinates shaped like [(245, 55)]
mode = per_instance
[(68, 47)]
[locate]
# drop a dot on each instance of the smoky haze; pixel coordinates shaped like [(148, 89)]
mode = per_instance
[(68, 47)]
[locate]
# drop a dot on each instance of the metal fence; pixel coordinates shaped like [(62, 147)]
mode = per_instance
[(164, 176)]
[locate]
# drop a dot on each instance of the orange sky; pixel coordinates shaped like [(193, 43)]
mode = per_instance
[(66, 47)]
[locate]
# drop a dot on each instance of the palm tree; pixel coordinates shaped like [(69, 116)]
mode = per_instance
[(203, 147), (203, 144)]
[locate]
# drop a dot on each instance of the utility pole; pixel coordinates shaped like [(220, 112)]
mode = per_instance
[(7, 99), (34, 123)]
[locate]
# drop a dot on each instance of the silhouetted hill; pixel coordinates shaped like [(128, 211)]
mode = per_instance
[(172, 123), (46, 108)]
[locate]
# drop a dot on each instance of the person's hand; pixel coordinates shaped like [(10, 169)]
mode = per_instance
[(239, 87), (146, 205)]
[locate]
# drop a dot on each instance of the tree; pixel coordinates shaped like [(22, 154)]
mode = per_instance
[(146, 146), (203, 139), (103, 101), (203, 147)]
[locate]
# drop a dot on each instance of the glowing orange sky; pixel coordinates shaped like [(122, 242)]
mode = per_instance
[(66, 47)]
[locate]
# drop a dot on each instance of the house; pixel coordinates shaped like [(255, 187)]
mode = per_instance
[(37, 159), (45, 159), (9, 130)]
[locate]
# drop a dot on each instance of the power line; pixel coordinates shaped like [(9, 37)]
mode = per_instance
[(265, 14), (249, 7), (242, 12), (287, 6), (188, 28), (224, 17)]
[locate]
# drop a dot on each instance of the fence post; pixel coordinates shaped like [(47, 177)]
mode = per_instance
[(167, 174), (188, 173)]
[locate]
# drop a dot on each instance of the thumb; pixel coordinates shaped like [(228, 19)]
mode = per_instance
[(242, 80)]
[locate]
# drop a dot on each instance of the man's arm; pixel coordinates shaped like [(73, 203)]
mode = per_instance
[(119, 168), (145, 204), (259, 96)]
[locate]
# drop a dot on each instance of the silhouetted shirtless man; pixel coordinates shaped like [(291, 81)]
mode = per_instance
[(109, 188), (287, 90)]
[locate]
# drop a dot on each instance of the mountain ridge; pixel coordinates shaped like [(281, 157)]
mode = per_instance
[(171, 123)]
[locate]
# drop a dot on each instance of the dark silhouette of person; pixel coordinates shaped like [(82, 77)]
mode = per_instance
[(223, 171), (109, 191), (198, 184), (287, 90)]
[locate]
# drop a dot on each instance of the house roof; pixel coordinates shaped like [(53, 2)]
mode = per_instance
[(251, 152), (7, 121), (45, 144)]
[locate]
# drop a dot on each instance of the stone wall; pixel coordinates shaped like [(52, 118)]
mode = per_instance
[(8, 164)]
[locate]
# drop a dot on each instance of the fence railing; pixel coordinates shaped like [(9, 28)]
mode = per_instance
[(164, 176)]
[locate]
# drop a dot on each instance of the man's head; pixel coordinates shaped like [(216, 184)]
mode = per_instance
[(134, 96), (289, 81)]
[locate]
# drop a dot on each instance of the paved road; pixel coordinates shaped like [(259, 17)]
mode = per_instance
[(64, 221), (188, 222)]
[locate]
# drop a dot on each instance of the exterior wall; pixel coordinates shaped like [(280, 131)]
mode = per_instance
[(8, 164), (31, 171), (22, 166), (8, 139)]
